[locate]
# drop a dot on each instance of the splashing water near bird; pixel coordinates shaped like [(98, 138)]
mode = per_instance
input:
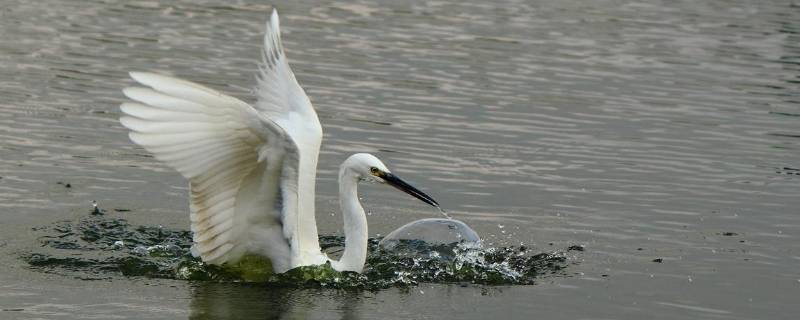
[(101, 247), (252, 168)]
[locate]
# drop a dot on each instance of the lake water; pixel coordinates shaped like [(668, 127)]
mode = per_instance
[(645, 131)]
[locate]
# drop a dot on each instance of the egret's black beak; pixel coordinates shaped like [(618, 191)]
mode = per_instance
[(401, 185)]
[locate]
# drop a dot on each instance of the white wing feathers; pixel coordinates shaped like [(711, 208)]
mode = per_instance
[(278, 90), (214, 141), (282, 99), (243, 162)]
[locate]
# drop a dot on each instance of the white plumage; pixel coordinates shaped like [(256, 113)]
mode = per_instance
[(251, 169)]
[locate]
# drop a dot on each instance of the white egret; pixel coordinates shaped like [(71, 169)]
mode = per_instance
[(252, 169)]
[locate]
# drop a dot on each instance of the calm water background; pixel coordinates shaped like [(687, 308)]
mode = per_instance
[(641, 130)]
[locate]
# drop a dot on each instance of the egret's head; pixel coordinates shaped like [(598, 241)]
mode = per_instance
[(365, 166), (368, 167)]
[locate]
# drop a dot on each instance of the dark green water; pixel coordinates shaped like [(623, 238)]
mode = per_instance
[(660, 136)]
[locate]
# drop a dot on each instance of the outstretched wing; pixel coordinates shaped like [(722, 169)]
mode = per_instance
[(233, 157), (251, 169), (278, 92), (284, 101)]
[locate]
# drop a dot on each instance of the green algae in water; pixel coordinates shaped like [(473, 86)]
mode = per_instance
[(101, 247), (250, 268)]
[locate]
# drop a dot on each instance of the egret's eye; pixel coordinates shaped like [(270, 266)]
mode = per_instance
[(374, 171)]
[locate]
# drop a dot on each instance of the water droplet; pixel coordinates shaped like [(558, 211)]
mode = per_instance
[(444, 213), (140, 250)]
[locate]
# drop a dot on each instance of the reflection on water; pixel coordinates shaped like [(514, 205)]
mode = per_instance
[(240, 301), (645, 130), (243, 301)]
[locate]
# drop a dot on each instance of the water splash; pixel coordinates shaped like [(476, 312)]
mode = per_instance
[(100, 248)]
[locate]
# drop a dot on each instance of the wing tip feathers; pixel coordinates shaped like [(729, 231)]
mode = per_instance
[(272, 36), (274, 21), (140, 76)]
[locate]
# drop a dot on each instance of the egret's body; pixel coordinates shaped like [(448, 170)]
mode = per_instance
[(252, 169)]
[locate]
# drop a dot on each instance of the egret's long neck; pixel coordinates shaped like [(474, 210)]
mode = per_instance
[(355, 224)]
